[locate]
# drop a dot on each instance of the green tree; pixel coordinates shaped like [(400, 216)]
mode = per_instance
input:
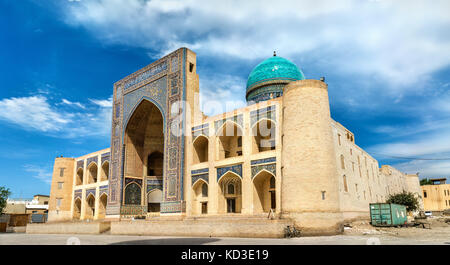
[(425, 181), (405, 198), (4, 194)]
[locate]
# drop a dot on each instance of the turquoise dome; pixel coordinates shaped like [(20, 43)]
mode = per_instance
[(273, 71)]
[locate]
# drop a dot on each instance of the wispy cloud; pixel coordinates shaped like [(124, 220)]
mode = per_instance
[(105, 103), (70, 103), (39, 173)]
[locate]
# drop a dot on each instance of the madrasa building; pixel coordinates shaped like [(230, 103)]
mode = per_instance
[(281, 156)]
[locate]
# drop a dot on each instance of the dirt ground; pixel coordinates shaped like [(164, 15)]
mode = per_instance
[(435, 228)]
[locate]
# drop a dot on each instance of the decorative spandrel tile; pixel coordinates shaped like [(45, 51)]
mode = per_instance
[(80, 164), (235, 168)]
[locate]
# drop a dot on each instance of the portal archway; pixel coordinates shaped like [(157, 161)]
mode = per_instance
[(230, 190), (264, 197), (144, 135), (144, 148)]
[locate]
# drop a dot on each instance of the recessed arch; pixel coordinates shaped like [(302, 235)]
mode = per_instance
[(77, 209), (199, 180), (144, 136), (229, 140), (105, 171), (79, 176), (90, 206), (230, 202), (262, 171), (155, 164), (92, 170), (143, 99), (132, 194), (154, 199), (103, 200), (199, 198), (263, 135), (264, 191), (200, 144)]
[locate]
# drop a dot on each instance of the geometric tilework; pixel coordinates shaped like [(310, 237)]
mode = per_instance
[(105, 157), (263, 161), (145, 75), (154, 184), (77, 194), (91, 159), (200, 174), (268, 164), (103, 189), (235, 168), (162, 83), (80, 164), (90, 191), (129, 180)]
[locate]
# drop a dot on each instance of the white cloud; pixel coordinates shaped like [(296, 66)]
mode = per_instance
[(39, 173), (401, 42), (77, 104), (33, 112), (36, 113), (105, 103)]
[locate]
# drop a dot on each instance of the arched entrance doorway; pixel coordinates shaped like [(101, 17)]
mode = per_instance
[(264, 197), (102, 206), (154, 198), (200, 197), (144, 147), (90, 207), (230, 189), (77, 209)]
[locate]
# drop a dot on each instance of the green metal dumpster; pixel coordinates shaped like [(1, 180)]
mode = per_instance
[(387, 214)]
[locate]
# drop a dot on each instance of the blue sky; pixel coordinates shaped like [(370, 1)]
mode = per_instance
[(386, 64)]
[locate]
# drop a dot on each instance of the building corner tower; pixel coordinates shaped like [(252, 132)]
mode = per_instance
[(309, 185), (61, 190)]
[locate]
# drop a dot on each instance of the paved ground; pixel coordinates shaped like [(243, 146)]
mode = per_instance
[(418, 237)]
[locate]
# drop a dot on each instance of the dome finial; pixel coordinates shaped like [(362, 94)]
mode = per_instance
[(274, 53)]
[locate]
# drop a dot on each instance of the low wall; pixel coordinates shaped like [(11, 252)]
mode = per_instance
[(226, 228), (68, 228)]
